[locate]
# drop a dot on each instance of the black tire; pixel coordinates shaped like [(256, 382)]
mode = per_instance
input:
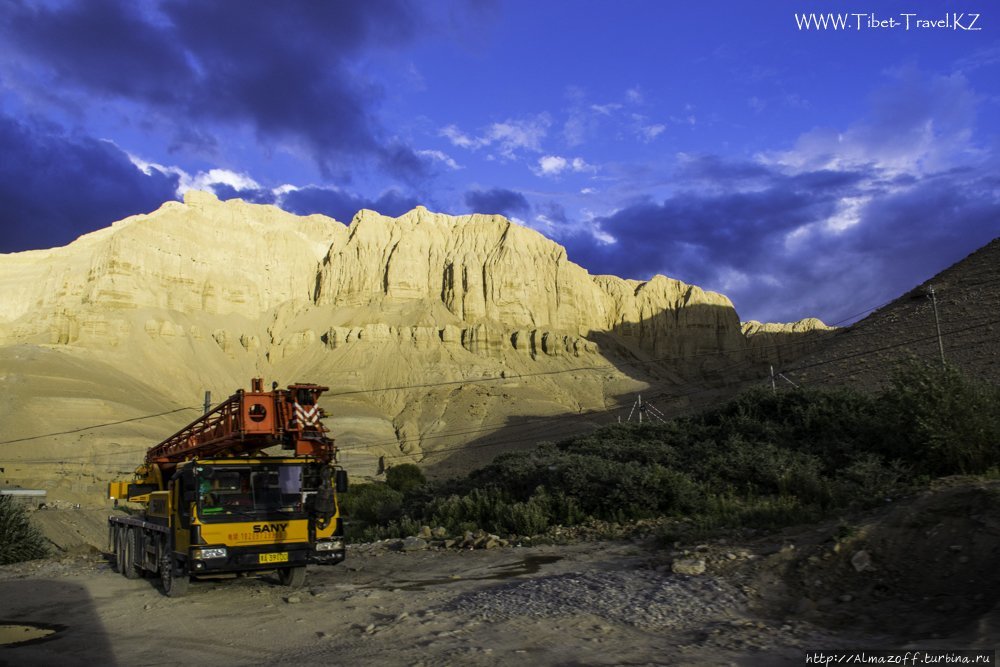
[(175, 583), (293, 577), (131, 547), (119, 545)]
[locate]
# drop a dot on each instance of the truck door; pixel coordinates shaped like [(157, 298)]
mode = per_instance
[(183, 495)]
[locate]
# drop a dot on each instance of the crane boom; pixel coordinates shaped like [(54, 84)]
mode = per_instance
[(249, 421)]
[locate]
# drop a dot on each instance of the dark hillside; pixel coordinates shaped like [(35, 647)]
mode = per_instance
[(968, 304)]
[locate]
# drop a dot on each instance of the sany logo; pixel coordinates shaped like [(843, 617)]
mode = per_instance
[(270, 527)]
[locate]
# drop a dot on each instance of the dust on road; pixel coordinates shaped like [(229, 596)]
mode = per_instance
[(596, 603)]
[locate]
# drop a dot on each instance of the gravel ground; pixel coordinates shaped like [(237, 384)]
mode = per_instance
[(641, 598), (932, 584)]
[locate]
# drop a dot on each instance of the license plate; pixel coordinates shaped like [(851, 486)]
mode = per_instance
[(273, 558)]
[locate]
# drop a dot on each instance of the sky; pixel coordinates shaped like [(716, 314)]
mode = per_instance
[(807, 158)]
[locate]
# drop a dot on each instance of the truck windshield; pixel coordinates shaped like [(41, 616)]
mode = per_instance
[(251, 491)]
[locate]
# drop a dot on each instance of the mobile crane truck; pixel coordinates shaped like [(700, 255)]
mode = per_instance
[(214, 502)]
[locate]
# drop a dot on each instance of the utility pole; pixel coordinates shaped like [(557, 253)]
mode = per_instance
[(208, 401), (937, 322), (640, 408), (774, 389)]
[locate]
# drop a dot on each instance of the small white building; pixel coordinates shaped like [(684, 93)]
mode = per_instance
[(31, 497)]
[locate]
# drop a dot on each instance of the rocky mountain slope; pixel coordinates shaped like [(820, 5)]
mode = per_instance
[(432, 331), (967, 300)]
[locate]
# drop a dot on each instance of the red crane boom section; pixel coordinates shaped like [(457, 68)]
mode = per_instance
[(249, 421)]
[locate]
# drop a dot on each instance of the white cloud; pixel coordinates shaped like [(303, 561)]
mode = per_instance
[(512, 135), (848, 213), (644, 129), (508, 137), (203, 180), (576, 128), (283, 190), (207, 180), (597, 232), (731, 279), (634, 95), (605, 109), (650, 132), (553, 165), (458, 138), (544, 224), (918, 125), (442, 157)]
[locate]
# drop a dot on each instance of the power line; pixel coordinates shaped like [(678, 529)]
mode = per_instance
[(485, 429), (850, 332), (88, 428), (622, 405), (891, 347), (536, 437)]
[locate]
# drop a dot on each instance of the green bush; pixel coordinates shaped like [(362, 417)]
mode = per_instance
[(367, 505), (762, 460), (870, 477), (19, 540), (728, 511), (405, 477), (490, 509), (941, 421)]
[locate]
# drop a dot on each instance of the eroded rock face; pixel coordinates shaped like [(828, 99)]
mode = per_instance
[(496, 285), (777, 343), (202, 256), (432, 330), (488, 269)]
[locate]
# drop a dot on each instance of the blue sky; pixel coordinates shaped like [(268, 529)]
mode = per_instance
[(802, 172)]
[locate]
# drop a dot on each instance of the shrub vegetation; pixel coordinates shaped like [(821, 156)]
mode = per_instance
[(19, 540), (762, 460)]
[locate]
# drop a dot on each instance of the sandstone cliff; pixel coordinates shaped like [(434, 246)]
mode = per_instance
[(779, 344), (432, 331)]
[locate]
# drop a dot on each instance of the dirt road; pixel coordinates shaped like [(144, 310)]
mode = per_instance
[(591, 603), (385, 608)]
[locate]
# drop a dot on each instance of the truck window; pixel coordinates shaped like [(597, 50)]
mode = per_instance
[(227, 491)]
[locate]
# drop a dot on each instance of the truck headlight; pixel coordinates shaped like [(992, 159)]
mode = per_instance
[(333, 545), (214, 552)]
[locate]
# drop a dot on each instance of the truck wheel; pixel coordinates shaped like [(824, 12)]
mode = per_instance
[(119, 544), (130, 547), (292, 576), (175, 584)]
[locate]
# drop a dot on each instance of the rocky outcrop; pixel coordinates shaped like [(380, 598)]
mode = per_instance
[(517, 287), (202, 256), (777, 344), (431, 330), (481, 282)]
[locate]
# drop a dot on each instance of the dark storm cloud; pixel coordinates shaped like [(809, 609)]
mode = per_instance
[(286, 69), (342, 205), (772, 250), (712, 168), (932, 225), (403, 163), (681, 232), (497, 201), (41, 174), (252, 195), (105, 46), (902, 238)]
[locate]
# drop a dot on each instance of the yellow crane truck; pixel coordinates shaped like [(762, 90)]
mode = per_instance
[(214, 502)]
